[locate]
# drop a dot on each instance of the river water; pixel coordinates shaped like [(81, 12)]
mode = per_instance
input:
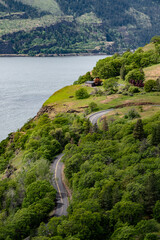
[(26, 83)]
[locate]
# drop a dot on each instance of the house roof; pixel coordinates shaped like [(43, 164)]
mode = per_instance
[(89, 82)]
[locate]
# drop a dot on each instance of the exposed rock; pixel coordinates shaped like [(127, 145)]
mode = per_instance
[(45, 109), (9, 171), (73, 111)]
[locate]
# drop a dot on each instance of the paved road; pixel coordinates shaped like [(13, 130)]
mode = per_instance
[(56, 168), (61, 198), (95, 116)]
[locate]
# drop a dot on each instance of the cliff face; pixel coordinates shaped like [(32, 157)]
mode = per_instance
[(59, 27)]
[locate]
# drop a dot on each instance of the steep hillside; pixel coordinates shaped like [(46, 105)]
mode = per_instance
[(111, 167), (112, 25)]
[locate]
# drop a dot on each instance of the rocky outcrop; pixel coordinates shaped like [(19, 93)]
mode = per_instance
[(45, 109)]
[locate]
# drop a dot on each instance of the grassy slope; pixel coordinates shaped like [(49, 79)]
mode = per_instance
[(149, 47), (152, 72), (8, 26), (62, 102), (50, 6)]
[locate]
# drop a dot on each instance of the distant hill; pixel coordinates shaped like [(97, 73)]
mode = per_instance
[(61, 27)]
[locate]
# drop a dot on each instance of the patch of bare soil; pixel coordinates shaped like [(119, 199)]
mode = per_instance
[(129, 104), (110, 98)]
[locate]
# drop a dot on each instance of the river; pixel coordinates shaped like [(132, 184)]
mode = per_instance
[(25, 84)]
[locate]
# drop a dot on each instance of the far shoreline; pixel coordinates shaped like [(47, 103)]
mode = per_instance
[(55, 55)]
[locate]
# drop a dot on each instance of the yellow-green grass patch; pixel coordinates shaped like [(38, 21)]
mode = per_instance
[(148, 47), (144, 112), (152, 72)]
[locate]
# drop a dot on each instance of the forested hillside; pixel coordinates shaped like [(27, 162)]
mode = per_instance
[(111, 168), (101, 26)]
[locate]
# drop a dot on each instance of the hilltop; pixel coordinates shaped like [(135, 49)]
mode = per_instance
[(67, 27)]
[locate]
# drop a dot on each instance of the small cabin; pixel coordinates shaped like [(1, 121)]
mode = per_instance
[(89, 83), (96, 82)]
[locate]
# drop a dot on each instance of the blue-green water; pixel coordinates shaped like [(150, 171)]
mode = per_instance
[(25, 84)]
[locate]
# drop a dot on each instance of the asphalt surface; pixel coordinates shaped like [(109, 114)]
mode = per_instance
[(95, 116), (61, 197), (57, 168)]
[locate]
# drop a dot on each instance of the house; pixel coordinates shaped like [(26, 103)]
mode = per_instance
[(89, 83), (97, 81)]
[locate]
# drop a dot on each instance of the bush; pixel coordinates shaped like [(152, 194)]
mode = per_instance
[(84, 78), (132, 114), (110, 84), (135, 77), (82, 93), (150, 236), (149, 85), (93, 107), (133, 89)]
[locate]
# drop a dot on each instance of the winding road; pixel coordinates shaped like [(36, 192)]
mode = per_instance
[(62, 196), (57, 168)]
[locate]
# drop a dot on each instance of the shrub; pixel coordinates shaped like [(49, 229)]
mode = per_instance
[(135, 77), (84, 78), (157, 87), (93, 107), (132, 114), (155, 39), (82, 93), (150, 236), (110, 84), (149, 85), (133, 89)]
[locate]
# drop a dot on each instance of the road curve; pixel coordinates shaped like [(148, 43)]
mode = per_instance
[(57, 168), (95, 116), (61, 197)]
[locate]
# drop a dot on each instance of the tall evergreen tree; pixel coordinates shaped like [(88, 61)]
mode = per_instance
[(138, 131), (104, 124), (155, 139), (123, 72)]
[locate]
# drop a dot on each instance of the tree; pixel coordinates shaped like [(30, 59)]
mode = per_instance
[(156, 211), (93, 107), (149, 85), (155, 136), (82, 93), (135, 77), (150, 236), (110, 84), (155, 39), (123, 72), (127, 212), (146, 226), (138, 131), (104, 124)]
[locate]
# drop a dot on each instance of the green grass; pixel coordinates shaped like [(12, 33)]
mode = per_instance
[(152, 72), (10, 26), (144, 112), (64, 100), (65, 94), (88, 18), (17, 163), (50, 6), (149, 47)]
